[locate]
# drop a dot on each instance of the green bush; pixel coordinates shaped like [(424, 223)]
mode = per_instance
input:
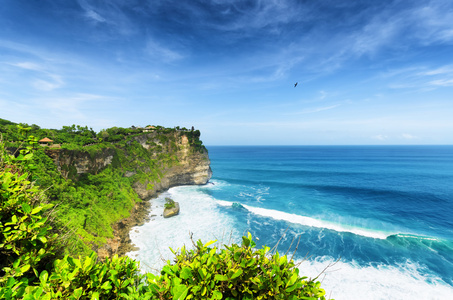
[(31, 266), (235, 272), (169, 203), (25, 249)]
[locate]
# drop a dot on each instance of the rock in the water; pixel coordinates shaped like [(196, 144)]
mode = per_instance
[(170, 212)]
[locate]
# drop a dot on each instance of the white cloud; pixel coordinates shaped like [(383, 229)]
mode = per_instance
[(95, 16), (442, 82), (73, 105), (54, 82), (447, 69), (375, 35), (314, 110), (27, 66), (409, 136), (381, 137), (432, 22), (43, 79), (157, 51)]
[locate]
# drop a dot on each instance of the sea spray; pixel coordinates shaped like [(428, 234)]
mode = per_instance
[(384, 212), (199, 218)]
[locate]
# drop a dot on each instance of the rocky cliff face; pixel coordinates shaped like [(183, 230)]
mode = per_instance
[(153, 162), (193, 167), (72, 163), (190, 165)]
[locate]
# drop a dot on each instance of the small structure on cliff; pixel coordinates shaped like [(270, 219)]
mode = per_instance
[(45, 141), (149, 128), (171, 208)]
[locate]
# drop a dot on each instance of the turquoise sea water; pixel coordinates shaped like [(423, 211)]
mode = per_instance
[(385, 212)]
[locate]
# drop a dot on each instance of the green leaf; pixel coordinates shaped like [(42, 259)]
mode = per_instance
[(71, 261), (25, 268), (183, 295), (43, 277), (245, 241), (186, 273), (95, 296), (26, 208), (220, 277), (36, 210), (217, 295), (237, 274), (13, 220), (291, 288), (78, 293), (283, 260), (106, 285), (210, 243)]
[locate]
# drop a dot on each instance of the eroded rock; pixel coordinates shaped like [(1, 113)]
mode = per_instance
[(170, 212)]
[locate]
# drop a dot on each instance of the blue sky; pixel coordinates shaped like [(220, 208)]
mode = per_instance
[(368, 72)]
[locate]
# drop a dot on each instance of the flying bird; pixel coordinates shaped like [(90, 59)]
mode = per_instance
[(295, 84)]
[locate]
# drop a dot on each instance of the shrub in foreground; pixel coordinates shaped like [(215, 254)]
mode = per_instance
[(29, 268), (234, 272)]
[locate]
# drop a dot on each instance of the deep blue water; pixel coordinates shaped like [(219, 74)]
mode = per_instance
[(386, 212)]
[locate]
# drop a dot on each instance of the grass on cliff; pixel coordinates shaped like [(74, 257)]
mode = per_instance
[(32, 267), (88, 204), (32, 242)]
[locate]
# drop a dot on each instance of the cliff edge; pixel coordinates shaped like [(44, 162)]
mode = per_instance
[(149, 163)]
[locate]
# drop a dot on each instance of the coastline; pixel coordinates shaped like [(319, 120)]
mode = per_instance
[(141, 213), (193, 168), (121, 243)]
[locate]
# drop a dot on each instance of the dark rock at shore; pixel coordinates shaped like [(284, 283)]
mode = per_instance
[(193, 168), (121, 243), (170, 212)]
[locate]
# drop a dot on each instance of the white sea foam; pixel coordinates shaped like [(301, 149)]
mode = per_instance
[(199, 215), (348, 280), (202, 215), (307, 221)]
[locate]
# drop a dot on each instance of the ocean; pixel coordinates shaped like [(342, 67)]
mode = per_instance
[(381, 217)]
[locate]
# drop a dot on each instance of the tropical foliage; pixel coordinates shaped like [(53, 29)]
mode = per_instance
[(35, 262), (90, 202)]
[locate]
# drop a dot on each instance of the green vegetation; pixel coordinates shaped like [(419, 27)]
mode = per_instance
[(31, 269), (26, 238), (169, 203), (88, 203), (48, 224), (234, 272)]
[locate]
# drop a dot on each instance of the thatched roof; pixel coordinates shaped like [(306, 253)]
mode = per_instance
[(45, 140)]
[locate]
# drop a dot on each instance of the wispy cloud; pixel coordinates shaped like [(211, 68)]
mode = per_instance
[(432, 22), (419, 77), (91, 14), (446, 69), (380, 137), (53, 82), (408, 136), (71, 103), (375, 35), (43, 79), (442, 82), (314, 110), (378, 31), (27, 66), (110, 13), (160, 52)]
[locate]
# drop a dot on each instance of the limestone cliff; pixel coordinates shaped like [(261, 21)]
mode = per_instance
[(151, 162), (167, 160), (192, 167), (75, 162)]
